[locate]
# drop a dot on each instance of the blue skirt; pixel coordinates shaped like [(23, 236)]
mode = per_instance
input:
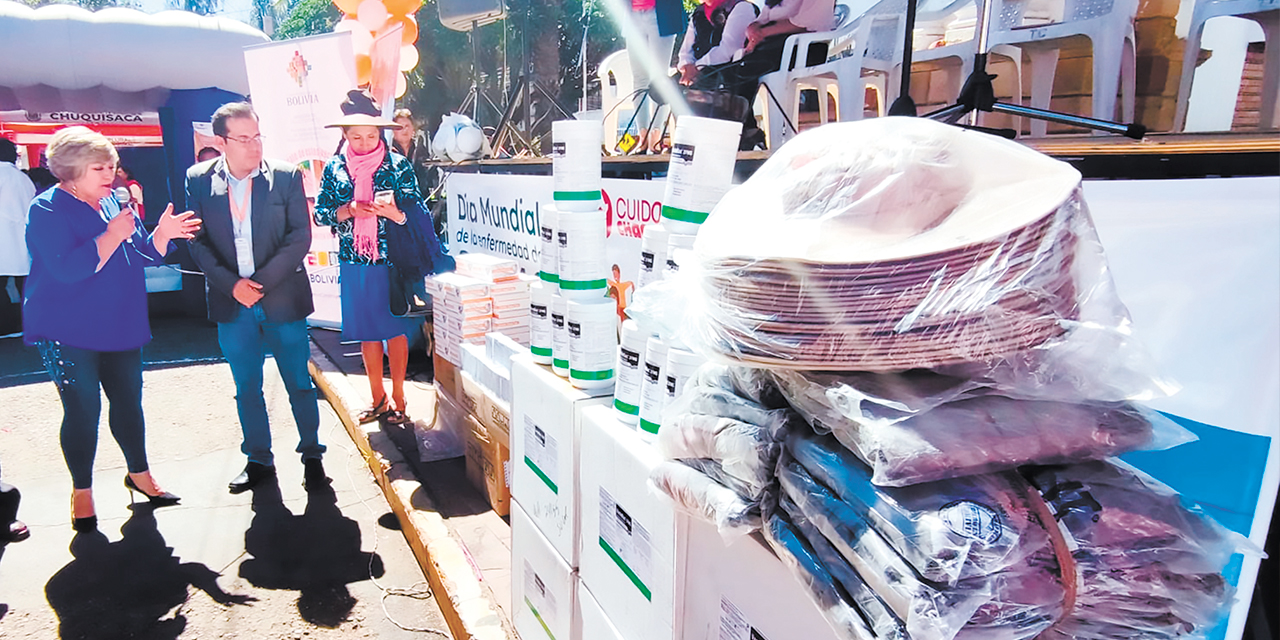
[(366, 305)]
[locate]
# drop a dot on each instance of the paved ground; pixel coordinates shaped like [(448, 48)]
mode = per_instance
[(273, 564)]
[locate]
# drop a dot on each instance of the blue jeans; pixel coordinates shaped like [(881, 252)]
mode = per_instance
[(79, 374), (244, 343)]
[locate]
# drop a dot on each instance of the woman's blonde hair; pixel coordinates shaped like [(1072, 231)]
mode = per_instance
[(74, 148)]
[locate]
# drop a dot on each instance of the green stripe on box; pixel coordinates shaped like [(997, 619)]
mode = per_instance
[(684, 215), (582, 285), (540, 351), (629, 409), (627, 570), (538, 616), (651, 427), (549, 277), (591, 375), (561, 364), (576, 195), (538, 472)]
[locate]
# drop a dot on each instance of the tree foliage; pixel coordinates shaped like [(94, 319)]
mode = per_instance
[(308, 18)]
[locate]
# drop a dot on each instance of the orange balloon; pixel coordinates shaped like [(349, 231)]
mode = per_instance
[(347, 6), (409, 33), (401, 7), (364, 68)]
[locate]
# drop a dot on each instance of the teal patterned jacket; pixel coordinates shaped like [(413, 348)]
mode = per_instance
[(337, 189)]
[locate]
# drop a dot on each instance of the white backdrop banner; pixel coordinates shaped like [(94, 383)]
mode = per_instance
[(296, 87)]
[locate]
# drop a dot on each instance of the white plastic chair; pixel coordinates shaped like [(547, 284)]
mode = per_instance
[(943, 15), (1267, 14), (838, 76), (1108, 24), (616, 101)]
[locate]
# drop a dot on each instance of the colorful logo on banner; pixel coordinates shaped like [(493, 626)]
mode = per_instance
[(298, 68), (627, 216)]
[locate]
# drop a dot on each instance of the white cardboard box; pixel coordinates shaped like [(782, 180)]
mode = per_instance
[(546, 413), (543, 587), (595, 624), (742, 590), (629, 551)]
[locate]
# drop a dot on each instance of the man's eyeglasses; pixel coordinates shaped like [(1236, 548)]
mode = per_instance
[(244, 139)]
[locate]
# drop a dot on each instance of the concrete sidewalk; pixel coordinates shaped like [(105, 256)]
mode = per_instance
[(462, 545), (273, 564)]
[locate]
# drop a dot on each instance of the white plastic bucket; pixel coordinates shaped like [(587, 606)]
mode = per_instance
[(580, 240), (679, 247), (681, 365), (629, 372), (703, 153), (540, 345), (575, 164), (653, 387), (559, 337), (549, 259), (653, 254), (593, 342)]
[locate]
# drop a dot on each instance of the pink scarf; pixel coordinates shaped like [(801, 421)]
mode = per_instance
[(361, 169)]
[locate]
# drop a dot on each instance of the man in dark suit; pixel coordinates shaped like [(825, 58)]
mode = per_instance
[(255, 236)]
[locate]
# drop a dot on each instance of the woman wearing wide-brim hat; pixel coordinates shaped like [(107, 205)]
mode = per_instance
[(365, 192)]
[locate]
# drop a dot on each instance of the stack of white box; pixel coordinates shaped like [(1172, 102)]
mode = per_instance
[(508, 292), (462, 312)]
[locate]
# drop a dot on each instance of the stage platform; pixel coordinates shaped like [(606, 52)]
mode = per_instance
[(1155, 157)]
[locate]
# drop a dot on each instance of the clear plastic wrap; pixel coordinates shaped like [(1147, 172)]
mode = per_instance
[(1091, 551), (745, 452), (891, 244), (921, 426), (701, 497)]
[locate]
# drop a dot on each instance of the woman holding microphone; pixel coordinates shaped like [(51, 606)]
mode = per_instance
[(86, 308)]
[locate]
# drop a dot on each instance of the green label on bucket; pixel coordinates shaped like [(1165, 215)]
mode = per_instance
[(582, 285), (560, 364), (629, 409), (540, 351), (684, 215), (548, 277), (649, 427), (576, 195), (591, 375)]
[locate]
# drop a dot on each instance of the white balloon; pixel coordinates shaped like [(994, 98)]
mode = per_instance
[(361, 38), (372, 14)]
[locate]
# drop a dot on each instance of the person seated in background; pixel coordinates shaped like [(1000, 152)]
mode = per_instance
[(717, 34), (766, 36), (124, 178)]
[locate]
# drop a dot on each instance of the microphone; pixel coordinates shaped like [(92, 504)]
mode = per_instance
[(125, 200)]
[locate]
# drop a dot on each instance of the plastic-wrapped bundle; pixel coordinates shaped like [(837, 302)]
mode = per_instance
[(889, 245), (921, 426), (744, 452), (1091, 551), (728, 446), (698, 495), (961, 528)]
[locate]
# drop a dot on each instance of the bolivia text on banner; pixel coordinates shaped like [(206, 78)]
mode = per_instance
[(499, 215), (297, 86)]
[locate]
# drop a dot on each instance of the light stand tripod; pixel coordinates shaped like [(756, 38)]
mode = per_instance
[(978, 94), (476, 94)]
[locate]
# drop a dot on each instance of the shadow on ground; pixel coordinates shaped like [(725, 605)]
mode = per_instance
[(316, 554), (128, 588)]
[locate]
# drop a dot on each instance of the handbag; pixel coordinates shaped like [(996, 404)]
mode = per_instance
[(408, 294)]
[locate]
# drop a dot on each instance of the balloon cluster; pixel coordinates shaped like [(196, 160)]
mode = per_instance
[(368, 19)]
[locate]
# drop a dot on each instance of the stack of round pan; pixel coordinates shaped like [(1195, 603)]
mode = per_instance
[(967, 304)]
